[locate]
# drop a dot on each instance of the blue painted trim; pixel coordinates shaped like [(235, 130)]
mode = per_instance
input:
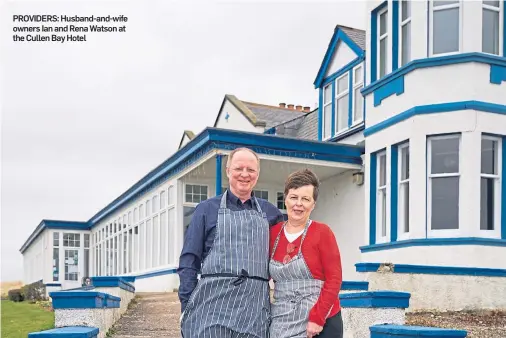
[(349, 66), (372, 198), (128, 279), (497, 74), (503, 184), (374, 40), (320, 115), (333, 113), (394, 87), (504, 28), (156, 273), (53, 285), (389, 330), (218, 174), (394, 178), (83, 300), (395, 35), (434, 270), (434, 242), (338, 35), (436, 108), (354, 285), (54, 224), (355, 129), (350, 97), (112, 281), (375, 299), (67, 332), (433, 62)]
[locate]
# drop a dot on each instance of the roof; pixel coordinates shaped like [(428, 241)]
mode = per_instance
[(352, 37), (302, 127), (188, 133), (53, 224), (261, 115)]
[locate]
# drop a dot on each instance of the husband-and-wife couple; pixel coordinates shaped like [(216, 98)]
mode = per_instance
[(238, 242)]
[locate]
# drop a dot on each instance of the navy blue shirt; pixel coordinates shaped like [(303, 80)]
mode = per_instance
[(200, 236)]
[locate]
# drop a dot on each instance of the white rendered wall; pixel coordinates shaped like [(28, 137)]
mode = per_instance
[(342, 56), (451, 83), (161, 283), (340, 205), (33, 260), (471, 124), (236, 120)]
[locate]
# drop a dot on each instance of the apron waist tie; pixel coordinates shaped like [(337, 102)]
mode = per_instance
[(240, 278)]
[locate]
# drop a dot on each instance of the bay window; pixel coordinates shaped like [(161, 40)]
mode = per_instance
[(358, 100), (405, 32), (443, 183), (490, 184), (403, 187), (342, 102), (381, 206), (491, 27), (445, 26)]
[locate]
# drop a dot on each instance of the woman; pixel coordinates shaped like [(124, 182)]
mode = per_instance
[(305, 266)]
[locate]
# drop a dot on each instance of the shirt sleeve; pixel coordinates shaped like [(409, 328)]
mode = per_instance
[(191, 255), (330, 259), (274, 215)]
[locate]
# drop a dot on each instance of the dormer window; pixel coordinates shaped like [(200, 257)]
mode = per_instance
[(342, 103), (358, 99), (491, 31), (327, 111), (445, 27)]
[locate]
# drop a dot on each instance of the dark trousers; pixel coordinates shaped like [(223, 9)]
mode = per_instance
[(333, 327)]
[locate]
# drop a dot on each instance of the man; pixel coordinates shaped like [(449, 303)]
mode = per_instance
[(227, 241)]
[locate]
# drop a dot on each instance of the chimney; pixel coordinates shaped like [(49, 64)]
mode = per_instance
[(290, 106), (307, 109), (298, 107), (282, 105)]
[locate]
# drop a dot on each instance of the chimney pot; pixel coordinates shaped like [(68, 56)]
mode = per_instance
[(298, 107), (290, 106), (282, 105), (307, 108)]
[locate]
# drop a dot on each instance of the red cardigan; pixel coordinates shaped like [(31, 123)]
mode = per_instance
[(321, 252)]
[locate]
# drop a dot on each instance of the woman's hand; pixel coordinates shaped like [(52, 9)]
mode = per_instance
[(313, 329)]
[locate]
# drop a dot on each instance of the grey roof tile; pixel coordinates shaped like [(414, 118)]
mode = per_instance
[(304, 127), (271, 115), (357, 35)]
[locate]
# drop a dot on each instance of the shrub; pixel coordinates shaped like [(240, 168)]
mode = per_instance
[(16, 295), (34, 292)]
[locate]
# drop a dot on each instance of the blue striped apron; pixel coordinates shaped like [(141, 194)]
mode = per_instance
[(232, 296), (295, 293)]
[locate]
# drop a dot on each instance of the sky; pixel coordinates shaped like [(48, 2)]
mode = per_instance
[(81, 122)]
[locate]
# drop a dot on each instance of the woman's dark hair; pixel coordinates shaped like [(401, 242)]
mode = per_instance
[(301, 178)]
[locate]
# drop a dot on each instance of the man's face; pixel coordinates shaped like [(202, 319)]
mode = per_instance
[(242, 173)]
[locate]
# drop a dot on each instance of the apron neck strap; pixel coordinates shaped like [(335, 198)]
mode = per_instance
[(279, 236), (223, 202)]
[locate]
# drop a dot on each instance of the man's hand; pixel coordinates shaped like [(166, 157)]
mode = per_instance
[(313, 329)]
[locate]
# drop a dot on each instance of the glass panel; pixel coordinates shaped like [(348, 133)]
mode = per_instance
[(170, 200), (406, 44), (86, 240), (405, 206), (490, 32), (342, 113), (86, 262), (357, 76), (438, 3), (492, 3), (342, 85), (445, 203), (383, 23), (280, 201), (56, 264), (327, 110), (487, 204), (56, 238), (445, 156), (359, 105), (155, 203), (383, 200), (383, 58), (187, 216), (406, 9), (446, 31), (327, 94), (155, 242), (489, 156), (404, 163), (163, 238)]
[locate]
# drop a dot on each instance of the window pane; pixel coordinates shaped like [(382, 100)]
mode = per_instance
[(489, 157), (492, 3), (342, 85), (357, 76), (487, 204), (383, 57), (444, 3), (406, 9), (327, 110), (445, 156), (404, 163), (406, 44), (342, 113), (383, 212), (405, 206), (280, 201), (446, 31), (490, 32), (382, 170), (327, 96), (445, 203), (359, 105), (383, 23)]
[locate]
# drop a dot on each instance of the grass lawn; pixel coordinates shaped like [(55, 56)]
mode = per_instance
[(21, 318)]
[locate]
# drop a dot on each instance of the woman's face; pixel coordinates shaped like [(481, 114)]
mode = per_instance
[(299, 203)]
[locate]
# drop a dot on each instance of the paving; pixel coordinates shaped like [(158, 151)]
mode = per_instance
[(150, 315)]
